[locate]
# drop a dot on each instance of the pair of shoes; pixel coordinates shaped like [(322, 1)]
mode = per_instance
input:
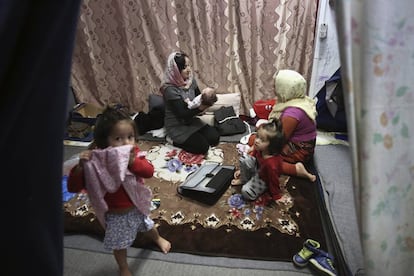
[(319, 259)]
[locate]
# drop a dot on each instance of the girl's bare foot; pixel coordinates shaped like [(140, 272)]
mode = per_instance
[(302, 172), (237, 174), (236, 182), (163, 244), (125, 272), (121, 259)]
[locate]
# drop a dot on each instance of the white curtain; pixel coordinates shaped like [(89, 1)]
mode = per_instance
[(377, 57)]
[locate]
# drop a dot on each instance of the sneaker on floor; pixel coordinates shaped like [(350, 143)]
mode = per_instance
[(310, 247), (155, 204), (323, 263)]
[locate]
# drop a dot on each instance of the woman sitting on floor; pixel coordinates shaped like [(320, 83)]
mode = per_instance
[(297, 112), (182, 125)]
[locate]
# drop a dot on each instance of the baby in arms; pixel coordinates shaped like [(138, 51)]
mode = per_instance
[(207, 97)]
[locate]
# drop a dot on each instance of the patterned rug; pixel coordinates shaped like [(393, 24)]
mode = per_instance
[(232, 227), (173, 164)]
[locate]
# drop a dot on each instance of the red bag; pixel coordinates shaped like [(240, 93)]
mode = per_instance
[(262, 108)]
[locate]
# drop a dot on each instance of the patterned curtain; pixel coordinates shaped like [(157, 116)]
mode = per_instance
[(377, 39), (235, 46)]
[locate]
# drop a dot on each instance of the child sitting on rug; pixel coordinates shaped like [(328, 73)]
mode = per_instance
[(207, 97), (113, 176), (261, 168)]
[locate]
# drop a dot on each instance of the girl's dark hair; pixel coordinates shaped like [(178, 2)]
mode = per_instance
[(275, 135), (105, 123), (179, 59)]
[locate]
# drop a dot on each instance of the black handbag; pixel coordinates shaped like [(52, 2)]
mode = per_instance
[(208, 183), (227, 122)]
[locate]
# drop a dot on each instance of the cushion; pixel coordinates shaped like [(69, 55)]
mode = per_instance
[(155, 101), (227, 99)]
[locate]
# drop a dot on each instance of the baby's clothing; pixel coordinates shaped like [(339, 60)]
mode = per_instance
[(259, 174), (195, 103), (254, 188), (248, 167), (270, 170)]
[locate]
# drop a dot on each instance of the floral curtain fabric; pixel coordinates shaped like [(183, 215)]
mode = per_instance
[(235, 46), (377, 39)]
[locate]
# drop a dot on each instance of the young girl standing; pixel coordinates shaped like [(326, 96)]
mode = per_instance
[(112, 174), (261, 168)]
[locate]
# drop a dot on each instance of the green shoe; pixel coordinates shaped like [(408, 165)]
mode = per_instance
[(310, 247)]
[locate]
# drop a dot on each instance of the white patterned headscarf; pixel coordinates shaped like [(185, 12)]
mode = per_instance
[(291, 92), (172, 74)]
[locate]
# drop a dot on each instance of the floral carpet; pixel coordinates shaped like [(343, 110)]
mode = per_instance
[(173, 164), (232, 227)]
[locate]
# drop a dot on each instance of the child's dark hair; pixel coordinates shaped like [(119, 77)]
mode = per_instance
[(105, 123), (275, 135), (179, 59)]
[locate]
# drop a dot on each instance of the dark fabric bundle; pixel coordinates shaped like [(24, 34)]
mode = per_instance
[(227, 122), (154, 119)]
